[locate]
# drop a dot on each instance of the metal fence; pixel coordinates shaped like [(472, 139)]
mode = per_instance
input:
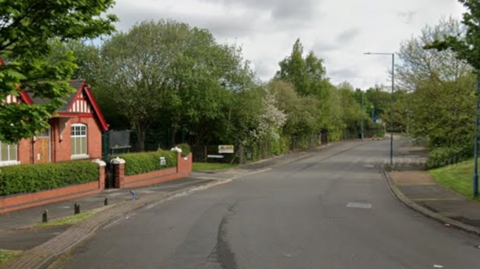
[(258, 151)]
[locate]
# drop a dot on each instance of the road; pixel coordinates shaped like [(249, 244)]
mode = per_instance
[(331, 210)]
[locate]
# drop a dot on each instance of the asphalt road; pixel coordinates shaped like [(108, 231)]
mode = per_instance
[(332, 210)]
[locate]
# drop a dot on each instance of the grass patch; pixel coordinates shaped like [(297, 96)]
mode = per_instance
[(70, 220), (457, 177), (6, 255), (212, 166)]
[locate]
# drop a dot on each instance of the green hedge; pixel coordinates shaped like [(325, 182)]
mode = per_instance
[(144, 162), (440, 157), (38, 177), (185, 149)]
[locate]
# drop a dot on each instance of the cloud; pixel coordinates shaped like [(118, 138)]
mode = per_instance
[(337, 31), (348, 35), (407, 16)]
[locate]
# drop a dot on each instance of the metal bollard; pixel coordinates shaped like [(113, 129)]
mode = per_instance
[(77, 208), (105, 202), (45, 216)]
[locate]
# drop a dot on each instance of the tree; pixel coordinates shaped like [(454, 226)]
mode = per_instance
[(25, 29), (441, 81), (170, 76), (307, 74)]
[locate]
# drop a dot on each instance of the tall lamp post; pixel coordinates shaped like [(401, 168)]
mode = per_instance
[(475, 165), (391, 109)]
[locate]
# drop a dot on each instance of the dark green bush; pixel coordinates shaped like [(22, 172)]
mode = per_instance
[(38, 177), (185, 149), (144, 162), (440, 157)]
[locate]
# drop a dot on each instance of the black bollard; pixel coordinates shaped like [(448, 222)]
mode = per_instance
[(45, 216), (77, 208), (105, 202)]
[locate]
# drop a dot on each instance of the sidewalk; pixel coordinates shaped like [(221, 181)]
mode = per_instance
[(15, 233), (412, 184)]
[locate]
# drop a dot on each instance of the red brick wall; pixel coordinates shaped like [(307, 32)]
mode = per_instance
[(63, 148), (20, 201), (183, 169)]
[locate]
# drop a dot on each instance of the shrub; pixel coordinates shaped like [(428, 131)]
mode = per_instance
[(144, 162), (185, 149), (38, 177), (440, 157)]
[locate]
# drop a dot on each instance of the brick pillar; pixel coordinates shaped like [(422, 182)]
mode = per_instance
[(101, 173), (119, 172), (184, 165)]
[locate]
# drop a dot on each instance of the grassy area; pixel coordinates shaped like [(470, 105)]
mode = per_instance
[(70, 219), (6, 255), (457, 177), (212, 166)]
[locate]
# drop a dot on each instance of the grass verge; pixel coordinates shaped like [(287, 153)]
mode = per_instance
[(70, 220), (457, 177), (6, 255), (212, 166)]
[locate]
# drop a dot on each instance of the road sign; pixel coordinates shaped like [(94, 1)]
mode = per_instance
[(163, 161), (225, 149)]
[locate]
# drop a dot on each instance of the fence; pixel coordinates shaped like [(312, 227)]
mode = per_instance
[(258, 151)]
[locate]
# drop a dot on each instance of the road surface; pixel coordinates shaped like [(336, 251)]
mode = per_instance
[(331, 210)]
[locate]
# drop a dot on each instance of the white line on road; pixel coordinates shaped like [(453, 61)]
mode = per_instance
[(359, 205)]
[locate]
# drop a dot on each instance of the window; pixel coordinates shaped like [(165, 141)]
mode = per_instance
[(8, 154), (79, 140)]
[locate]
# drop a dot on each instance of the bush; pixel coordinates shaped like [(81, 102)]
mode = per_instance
[(440, 157), (185, 149), (38, 177), (144, 162)]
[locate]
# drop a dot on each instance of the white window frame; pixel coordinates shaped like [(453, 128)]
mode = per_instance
[(78, 156), (9, 162)]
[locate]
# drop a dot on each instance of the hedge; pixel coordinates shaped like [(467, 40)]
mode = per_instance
[(144, 162), (440, 157), (39, 177), (185, 149)]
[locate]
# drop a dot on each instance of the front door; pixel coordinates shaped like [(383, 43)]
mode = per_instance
[(43, 147)]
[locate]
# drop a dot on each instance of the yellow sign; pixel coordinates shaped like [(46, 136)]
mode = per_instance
[(225, 149)]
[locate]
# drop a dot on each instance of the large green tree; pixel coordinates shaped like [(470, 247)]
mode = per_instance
[(25, 30), (168, 75)]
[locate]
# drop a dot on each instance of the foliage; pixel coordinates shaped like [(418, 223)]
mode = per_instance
[(168, 75), (185, 149), (25, 28), (212, 166), (441, 106), (6, 255), (440, 157), (38, 177), (140, 163)]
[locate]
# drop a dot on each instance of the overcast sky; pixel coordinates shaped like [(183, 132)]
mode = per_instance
[(338, 31)]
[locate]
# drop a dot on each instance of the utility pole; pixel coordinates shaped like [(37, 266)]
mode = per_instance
[(363, 113)]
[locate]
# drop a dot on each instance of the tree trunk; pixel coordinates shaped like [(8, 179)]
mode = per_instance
[(173, 132), (141, 138)]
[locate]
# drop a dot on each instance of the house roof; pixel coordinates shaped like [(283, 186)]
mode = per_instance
[(76, 84)]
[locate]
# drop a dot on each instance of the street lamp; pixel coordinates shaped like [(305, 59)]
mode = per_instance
[(475, 165), (391, 109)]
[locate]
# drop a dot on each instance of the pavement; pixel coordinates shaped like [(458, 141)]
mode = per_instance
[(331, 209), (18, 231), (414, 186)]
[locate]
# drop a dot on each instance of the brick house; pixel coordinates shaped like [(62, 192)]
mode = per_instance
[(75, 131)]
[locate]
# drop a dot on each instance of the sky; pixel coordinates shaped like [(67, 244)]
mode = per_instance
[(338, 31)]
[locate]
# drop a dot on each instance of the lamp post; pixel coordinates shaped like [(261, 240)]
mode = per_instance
[(363, 114), (475, 165), (391, 109)]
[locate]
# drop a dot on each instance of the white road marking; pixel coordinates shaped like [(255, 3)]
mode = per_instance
[(359, 205)]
